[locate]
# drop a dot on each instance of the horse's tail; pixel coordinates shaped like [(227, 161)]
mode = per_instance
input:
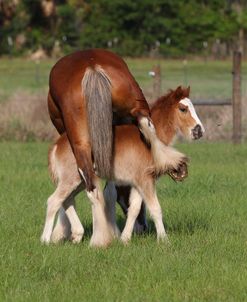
[(96, 88)]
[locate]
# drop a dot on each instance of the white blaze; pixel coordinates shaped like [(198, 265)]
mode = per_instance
[(187, 102)]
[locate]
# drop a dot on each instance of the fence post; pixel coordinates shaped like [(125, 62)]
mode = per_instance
[(156, 82), (236, 98)]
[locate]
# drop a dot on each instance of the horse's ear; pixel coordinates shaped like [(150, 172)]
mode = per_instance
[(187, 92), (178, 94)]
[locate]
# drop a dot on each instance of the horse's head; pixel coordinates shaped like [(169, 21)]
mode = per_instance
[(186, 118)]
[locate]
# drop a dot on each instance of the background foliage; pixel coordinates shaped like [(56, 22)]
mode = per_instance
[(129, 27)]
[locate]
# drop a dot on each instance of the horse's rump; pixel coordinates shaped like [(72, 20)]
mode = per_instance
[(96, 88)]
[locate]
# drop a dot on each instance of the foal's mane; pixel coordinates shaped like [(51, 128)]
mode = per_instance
[(171, 97)]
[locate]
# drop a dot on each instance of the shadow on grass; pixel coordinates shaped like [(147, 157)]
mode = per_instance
[(179, 225)]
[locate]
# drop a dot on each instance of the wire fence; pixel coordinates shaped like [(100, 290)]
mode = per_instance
[(23, 79)]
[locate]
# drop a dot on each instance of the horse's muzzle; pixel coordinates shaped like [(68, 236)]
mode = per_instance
[(197, 132)]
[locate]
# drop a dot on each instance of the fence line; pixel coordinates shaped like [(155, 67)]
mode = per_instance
[(235, 101)]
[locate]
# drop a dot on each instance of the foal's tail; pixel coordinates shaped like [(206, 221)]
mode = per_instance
[(96, 88)]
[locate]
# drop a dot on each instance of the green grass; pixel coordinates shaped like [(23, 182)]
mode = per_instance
[(211, 79), (205, 218)]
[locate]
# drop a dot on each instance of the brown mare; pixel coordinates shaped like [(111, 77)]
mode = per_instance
[(85, 88), (133, 164)]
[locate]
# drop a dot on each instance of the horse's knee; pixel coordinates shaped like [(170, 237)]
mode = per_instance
[(53, 205), (147, 128)]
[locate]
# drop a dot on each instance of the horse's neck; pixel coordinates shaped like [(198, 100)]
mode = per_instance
[(164, 124)]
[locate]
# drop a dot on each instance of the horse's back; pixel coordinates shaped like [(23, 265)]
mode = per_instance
[(66, 77)]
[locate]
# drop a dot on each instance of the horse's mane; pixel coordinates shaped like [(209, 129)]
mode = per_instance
[(170, 97), (163, 99)]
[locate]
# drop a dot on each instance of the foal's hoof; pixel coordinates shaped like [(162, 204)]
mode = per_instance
[(125, 239), (59, 235), (98, 244), (76, 237), (44, 240), (180, 173), (57, 238), (140, 228), (100, 241), (163, 239)]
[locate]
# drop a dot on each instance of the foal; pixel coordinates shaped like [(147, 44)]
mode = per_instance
[(133, 164)]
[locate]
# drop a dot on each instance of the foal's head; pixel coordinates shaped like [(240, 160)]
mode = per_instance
[(178, 110)]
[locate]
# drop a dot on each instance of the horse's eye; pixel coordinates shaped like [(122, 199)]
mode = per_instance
[(183, 110)]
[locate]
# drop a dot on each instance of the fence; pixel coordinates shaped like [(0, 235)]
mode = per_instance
[(235, 101), (24, 85)]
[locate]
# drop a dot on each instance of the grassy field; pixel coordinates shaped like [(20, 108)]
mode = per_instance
[(205, 218), (211, 79)]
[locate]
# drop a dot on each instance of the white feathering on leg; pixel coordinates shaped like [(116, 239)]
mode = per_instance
[(164, 157)]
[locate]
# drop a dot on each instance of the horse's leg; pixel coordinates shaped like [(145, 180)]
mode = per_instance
[(68, 223), (110, 196), (55, 114), (123, 195), (141, 221), (62, 229), (165, 157), (72, 118), (149, 194), (54, 202), (75, 120), (102, 233), (77, 230), (135, 201)]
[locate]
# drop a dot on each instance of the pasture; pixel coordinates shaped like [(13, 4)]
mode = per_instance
[(208, 79), (205, 218)]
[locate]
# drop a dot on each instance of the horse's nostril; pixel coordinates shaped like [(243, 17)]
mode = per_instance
[(197, 131)]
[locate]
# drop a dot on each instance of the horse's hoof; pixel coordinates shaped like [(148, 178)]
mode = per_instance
[(125, 240), (44, 240), (76, 237), (100, 241), (163, 239), (99, 244), (140, 228), (58, 235), (180, 173)]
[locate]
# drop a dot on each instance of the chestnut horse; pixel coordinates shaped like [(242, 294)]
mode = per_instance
[(85, 87), (133, 164)]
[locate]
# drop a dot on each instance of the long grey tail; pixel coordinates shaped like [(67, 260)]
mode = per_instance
[(96, 88)]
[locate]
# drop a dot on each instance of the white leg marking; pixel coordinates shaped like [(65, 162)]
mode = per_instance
[(77, 230), (135, 201), (62, 229), (82, 175), (54, 202), (156, 213), (150, 197), (147, 128), (164, 157), (102, 235)]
